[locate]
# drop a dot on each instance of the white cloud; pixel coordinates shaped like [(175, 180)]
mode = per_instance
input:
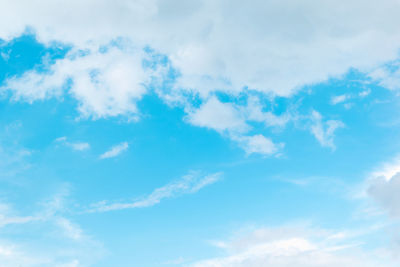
[(275, 46), (63, 244), (387, 170), (79, 146), (339, 99), (115, 150), (295, 246), (70, 229), (324, 132), (189, 184), (7, 216), (254, 112), (387, 76), (61, 139), (258, 144), (105, 83), (218, 116), (231, 120)]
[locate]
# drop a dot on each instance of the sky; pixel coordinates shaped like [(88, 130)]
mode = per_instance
[(204, 133)]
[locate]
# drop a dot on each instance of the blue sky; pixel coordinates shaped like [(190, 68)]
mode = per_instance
[(201, 133)]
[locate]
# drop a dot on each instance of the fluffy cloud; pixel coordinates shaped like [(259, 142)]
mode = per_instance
[(273, 46), (218, 116), (387, 76), (105, 83), (232, 120), (189, 184), (283, 45), (295, 246)]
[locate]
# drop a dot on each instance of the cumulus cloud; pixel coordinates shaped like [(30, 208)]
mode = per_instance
[(218, 116), (324, 132), (188, 184), (273, 47), (105, 83), (284, 45), (232, 120), (115, 150), (295, 246), (387, 170)]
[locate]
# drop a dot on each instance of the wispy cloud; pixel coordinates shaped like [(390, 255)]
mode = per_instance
[(296, 246), (78, 146), (51, 231), (232, 120), (324, 132), (115, 150), (188, 184), (8, 217)]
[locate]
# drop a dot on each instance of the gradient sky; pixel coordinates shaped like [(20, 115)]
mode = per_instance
[(204, 133)]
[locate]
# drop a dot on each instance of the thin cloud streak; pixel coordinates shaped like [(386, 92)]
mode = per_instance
[(115, 150), (188, 184)]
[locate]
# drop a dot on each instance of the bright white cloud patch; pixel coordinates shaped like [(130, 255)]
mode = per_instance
[(105, 83), (254, 112), (218, 116), (189, 184), (232, 120), (115, 151), (387, 170)]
